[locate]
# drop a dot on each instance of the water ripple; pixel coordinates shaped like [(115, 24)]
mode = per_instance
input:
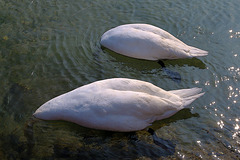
[(51, 47)]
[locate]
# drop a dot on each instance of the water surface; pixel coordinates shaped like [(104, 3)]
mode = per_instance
[(51, 47)]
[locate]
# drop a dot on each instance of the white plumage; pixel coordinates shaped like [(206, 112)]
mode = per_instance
[(117, 104), (144, 41)]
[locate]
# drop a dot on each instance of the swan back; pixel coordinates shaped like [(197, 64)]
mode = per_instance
[(117, 104), (144, 41)]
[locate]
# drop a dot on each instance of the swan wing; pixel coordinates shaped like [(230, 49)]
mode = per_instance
[(125, 84)]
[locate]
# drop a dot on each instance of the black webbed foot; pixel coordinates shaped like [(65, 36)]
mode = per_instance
[(166, 145), (175, 76)]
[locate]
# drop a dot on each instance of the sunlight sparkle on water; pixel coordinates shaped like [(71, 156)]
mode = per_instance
[(196, 82), (234, 34), (225, 78), (236, 127), (212, 103), (230, 88), (221, 124), (181, 155), (207, 83)]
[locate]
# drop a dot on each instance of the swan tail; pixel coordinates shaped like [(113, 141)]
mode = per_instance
[(188, 95), (195, 52)]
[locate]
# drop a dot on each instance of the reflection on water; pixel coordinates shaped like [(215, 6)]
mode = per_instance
[(234, 34), (51, 47)]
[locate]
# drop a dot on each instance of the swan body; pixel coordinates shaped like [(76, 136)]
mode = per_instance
[(117, 104), (144, 41)]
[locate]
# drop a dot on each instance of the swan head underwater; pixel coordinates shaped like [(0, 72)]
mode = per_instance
[(117, 104), (144, 41)]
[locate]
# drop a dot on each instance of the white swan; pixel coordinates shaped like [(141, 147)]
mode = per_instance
[(117, 104), (144, 41)]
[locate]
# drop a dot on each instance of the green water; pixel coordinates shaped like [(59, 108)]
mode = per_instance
[(50, 47)]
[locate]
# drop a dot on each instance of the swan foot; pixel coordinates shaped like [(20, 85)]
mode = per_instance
[(175, 76), (166, 145)]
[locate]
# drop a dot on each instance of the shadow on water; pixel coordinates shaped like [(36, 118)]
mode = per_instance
[(194, 62), (77, 142), (149, 67), (134, 63), (165, 147), (181, 115)]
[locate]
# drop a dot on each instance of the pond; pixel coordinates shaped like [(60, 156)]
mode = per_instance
[(50, 47)]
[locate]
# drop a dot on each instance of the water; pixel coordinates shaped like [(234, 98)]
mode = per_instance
[(51, 47)]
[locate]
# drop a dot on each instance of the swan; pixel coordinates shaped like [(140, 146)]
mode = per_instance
[(117, 104), (145, 41)]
